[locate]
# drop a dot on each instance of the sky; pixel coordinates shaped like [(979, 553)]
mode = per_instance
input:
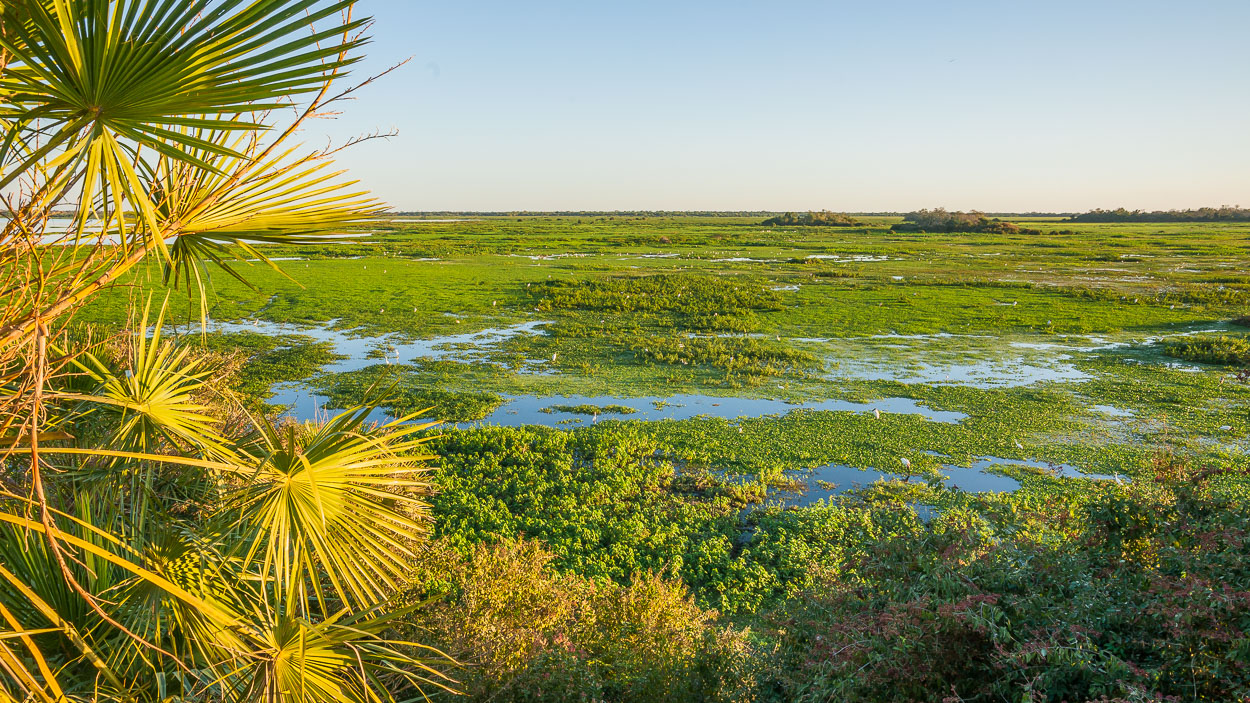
[(872, 105)]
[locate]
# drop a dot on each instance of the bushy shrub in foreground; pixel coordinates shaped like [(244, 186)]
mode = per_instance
[(1147, 597), (528, 633)]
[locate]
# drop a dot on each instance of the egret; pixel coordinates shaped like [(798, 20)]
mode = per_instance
[(554, 357), (1226, 428), (1019, 446), (906, 463), (876, 413)]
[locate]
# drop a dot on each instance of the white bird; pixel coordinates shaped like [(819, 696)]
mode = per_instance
[(876, 413), (1015, 303), (1019, 446), (906, 463), (382, 310), (739, 430), (1226, 428), (494, 303), (554, 357)]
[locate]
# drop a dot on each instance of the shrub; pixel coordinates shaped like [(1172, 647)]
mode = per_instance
[(529, 633), (824, 218)]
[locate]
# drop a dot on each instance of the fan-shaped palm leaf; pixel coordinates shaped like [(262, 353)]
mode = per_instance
[(154, 398), (339, 497)]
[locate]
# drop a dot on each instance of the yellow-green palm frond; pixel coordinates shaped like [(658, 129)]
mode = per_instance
[(342, 658), (200, 639), (339, 497), (153, 399), (138, 69), (89, 86), (30, 583), (215, 215)]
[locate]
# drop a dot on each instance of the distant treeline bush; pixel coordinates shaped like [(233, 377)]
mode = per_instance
[(824, 218), (1202, 214), (940, 220)]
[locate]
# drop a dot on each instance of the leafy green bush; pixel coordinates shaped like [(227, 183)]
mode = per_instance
[(600, 501), (1142, 591), (530, 633), (823, 218)]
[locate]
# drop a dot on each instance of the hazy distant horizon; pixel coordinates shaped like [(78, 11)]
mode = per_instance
[(773, 211), (794, 105)]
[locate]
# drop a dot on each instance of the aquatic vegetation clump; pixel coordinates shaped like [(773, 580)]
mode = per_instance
[(735, 355), (587, 409), (395, 388), (691, 298), (1222, 350)]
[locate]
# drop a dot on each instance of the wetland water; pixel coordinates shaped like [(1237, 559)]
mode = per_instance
[(832, 480), (969, 360), (358, 352), (975, 361)]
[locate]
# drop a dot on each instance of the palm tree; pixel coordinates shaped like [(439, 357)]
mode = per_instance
[(150, 549)]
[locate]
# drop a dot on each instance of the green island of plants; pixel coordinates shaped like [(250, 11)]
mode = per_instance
[(588, 409), (1225, 350)]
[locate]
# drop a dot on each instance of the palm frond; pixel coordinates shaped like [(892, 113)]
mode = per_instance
[(343, 497)]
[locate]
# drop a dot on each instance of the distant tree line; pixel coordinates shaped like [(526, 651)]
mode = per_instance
[(1202, 214), (824, 218), (583, 213), (941, 220)]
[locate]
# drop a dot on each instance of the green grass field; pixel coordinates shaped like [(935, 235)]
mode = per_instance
[(1057, 339)]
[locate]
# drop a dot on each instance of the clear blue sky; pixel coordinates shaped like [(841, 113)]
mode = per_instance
[(865, 105)]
